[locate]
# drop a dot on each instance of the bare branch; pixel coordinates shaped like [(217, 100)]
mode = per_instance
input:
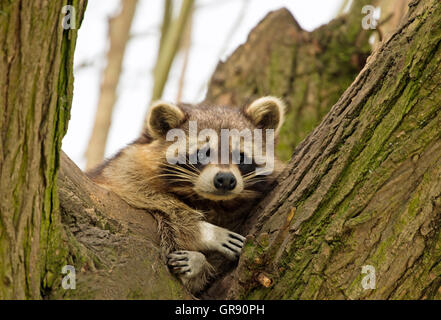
[(186, 45), (169, 49), (119, 31)]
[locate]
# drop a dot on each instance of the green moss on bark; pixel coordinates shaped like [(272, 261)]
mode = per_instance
[(367, 188)]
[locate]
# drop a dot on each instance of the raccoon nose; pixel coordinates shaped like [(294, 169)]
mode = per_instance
[(225, 181)]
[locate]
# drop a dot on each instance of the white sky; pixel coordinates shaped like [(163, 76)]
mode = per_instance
[(211, 25)]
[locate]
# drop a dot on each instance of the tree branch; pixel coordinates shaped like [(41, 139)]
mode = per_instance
[(119, 34), (170, 45), (113, 246)]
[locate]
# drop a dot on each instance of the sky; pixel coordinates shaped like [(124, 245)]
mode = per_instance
[(215, 36)]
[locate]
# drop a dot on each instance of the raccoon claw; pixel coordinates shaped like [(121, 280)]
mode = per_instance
[(232, 245), (178, 263), (186, 264), (222, 240)]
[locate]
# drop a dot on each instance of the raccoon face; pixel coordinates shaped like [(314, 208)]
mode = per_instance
[(216, 152)]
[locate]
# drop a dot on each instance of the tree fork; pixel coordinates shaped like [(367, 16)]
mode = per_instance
[(362, 189), (371, 164)]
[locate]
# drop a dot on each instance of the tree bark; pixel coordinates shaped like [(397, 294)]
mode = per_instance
[(363, 189), (35, 98), (113, 246)]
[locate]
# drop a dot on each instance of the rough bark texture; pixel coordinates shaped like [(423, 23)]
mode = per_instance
[(35, 98), (113, 246), (363, 189), (310, 70)]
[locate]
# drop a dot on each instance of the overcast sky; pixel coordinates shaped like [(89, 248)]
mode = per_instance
[(212, 22)]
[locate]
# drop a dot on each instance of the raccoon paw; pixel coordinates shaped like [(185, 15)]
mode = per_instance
[(222, 240), (192, 268), (231, 244), (187, 264)]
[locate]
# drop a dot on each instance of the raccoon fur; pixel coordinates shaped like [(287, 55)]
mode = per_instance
[(199, 207)]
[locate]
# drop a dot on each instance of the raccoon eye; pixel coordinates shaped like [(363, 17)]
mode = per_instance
[(242, 158), (246, 165), (205, 153), (203, 156)]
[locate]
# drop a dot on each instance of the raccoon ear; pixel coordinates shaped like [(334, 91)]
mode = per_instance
[(266, 113), (162, 117)]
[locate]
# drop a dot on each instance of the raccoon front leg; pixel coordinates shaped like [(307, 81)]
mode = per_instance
[(221, 240), (192, 268)]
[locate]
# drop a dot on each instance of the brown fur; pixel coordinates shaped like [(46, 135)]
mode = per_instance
[(141, 176)]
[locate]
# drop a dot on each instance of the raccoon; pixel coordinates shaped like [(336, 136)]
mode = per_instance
[(199, 205)]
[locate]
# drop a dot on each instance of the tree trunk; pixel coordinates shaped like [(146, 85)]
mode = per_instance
[(364, 189), (35, 98)]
